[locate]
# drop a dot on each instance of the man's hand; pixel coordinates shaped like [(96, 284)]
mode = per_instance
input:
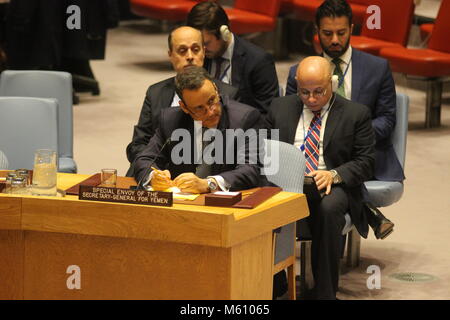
[(323, 178), (189, 182), (161, 180)]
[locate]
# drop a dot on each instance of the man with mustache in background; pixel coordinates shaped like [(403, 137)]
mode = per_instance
[(185, 49)]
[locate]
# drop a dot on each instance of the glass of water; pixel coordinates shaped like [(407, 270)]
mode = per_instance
[(44, 173)]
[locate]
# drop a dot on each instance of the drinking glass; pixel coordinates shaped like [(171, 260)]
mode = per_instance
[(109, 178), (44, 173)]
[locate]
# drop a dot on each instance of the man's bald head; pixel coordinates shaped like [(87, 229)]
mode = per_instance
[(186, 48), (314, 76), (314, 68)]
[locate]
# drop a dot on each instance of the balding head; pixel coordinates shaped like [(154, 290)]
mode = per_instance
[(186, 48), (314, 76)]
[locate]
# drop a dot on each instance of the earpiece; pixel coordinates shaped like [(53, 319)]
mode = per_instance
[(334, 83), (225, 33)]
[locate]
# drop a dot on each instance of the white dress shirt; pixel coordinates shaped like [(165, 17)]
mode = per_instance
[(345, 65), (225, 72), (303, 127)]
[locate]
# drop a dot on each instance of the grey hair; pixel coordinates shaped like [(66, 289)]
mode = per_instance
[(190, 78)]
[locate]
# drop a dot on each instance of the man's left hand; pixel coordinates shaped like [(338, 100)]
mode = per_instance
[(324, 179), (189, 182)]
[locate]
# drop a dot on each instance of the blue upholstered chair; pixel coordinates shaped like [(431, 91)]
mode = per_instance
[(27, 124), (288, 173), (383, 193), (47, 84), (3, 161)]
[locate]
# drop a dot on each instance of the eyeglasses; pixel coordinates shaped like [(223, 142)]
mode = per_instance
[(201, 111), (317, 93)]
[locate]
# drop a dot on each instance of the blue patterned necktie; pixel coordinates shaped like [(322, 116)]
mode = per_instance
[(312, 143)]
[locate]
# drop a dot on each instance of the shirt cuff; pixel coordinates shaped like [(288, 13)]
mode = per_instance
[(146, 183), (221, 182)]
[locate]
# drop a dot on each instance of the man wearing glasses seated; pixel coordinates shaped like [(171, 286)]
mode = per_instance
[(338, 142), (173, 153)]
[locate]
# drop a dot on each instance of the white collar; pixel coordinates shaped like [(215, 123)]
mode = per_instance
[(228, 54), (346, 57)]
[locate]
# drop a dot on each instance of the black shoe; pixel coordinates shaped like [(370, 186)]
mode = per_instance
[(382, 226)]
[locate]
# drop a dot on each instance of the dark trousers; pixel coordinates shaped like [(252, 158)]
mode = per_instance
[(326, 223)]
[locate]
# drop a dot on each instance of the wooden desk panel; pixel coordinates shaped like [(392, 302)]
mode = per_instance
[(138, 252)]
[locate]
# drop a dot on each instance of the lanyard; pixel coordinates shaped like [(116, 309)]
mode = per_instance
[(346, 69), (225, 72)]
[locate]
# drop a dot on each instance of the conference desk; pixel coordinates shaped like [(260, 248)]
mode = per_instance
[(65, 248)]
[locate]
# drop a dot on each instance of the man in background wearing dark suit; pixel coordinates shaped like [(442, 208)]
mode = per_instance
[(234, 60), (338, 141), (201, 108), (365, 79), (185, 49)]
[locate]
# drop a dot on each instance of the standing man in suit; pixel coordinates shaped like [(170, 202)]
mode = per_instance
[(185, 49), (365, 79), (337, 138), (234, 60), (201, 108)]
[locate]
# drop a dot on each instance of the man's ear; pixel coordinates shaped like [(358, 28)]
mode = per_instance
[(183, 107), (351, 29)]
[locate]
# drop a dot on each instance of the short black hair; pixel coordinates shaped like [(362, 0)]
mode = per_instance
[(209, 16), (190, 78), (333, 9)]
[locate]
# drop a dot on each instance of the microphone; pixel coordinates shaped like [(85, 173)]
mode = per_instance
[(140, 183)]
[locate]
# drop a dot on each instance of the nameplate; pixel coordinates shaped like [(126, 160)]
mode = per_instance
[(153, 198)]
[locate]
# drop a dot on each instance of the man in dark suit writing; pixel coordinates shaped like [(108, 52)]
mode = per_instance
[(338, 141), (201, 108), (185, 49)]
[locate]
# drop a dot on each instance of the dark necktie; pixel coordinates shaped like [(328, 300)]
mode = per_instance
[(219, 61), (203, 170), (312, 143), (338, 71)]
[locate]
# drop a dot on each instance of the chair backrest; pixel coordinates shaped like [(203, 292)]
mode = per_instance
[(401, 127), (27, 124), (439, 39), (269, 8), (393, 28), (284, 165), (45, 84), (3, 161)]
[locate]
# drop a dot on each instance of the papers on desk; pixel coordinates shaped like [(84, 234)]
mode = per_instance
[(177, 194)]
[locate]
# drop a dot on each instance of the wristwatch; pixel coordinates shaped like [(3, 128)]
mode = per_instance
[(212, 184), (336, 177)]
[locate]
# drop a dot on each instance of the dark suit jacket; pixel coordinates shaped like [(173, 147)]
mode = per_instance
[(253, 73), (373, 86), (348, 145), (159, 96), (234, 116)]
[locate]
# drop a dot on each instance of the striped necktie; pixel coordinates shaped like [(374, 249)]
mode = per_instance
[(312, 143), (338, 71)]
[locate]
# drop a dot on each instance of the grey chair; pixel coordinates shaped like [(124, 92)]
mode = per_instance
[(47, 84), (3, 161), (384, 193), (27, 124), (288, 173)]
